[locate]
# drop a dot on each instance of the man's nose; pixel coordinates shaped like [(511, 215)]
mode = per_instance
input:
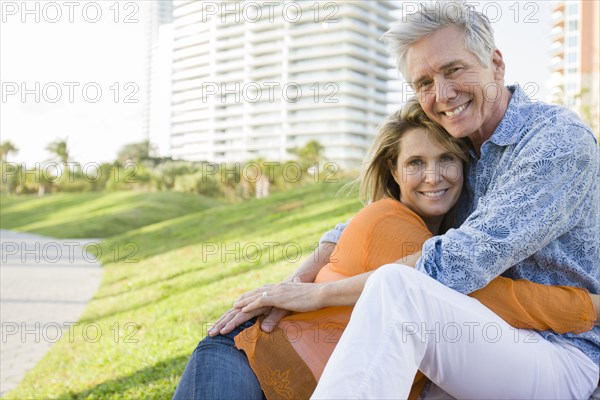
[(445, 90)]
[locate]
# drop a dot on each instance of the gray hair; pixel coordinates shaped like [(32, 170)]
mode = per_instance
[(434, 15)]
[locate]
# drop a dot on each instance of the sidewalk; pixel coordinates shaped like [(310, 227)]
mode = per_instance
[(45, 284)]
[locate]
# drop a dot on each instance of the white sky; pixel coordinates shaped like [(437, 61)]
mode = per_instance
[(109, 52)]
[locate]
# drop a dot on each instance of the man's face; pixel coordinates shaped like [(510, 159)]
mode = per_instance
[(454, 89)]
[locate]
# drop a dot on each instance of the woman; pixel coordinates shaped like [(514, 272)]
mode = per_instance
[(412, 201)]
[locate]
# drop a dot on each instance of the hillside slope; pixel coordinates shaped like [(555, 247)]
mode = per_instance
[(166, 281)]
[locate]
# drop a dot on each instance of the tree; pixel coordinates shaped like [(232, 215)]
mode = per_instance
[(6, 148), (60, 149), (136, 152), (309, 154)]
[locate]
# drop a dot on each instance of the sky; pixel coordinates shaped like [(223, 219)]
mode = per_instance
[(76, 70)]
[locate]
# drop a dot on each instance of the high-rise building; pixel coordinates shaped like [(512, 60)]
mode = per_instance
[(575, 80), (159, 45), (255, 79)]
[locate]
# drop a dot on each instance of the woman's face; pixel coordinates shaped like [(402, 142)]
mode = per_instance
[(430, 177)]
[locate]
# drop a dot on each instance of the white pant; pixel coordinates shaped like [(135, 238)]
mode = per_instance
[(405, 320)]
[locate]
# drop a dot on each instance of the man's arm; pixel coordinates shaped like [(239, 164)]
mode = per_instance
[(542, 195), (333, 236)]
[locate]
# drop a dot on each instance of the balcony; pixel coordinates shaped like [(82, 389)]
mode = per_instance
[(558, 65), (189, 41), (559, 6), (557, 50), (191, 73), (262, 48), (558, 19)]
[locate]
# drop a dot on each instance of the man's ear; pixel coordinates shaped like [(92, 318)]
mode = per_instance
[(498, 66)]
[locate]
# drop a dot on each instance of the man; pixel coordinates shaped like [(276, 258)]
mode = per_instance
[(534, 213)]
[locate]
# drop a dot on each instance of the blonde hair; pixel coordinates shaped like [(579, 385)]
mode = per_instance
[(376, 180)]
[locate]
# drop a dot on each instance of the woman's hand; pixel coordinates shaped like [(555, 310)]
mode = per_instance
[(306, 272), (292, 296), (235, 317)]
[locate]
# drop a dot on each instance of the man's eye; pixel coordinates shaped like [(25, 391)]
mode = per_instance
[(454, 70)]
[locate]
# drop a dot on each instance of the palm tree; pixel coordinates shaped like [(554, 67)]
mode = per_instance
[(60, 149), (6, 148)]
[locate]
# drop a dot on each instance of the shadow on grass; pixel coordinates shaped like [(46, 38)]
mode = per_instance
[(144, 377), (31, 209), (100, 215)]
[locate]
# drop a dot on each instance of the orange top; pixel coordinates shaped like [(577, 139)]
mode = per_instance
[(289, 361), (381, 233)]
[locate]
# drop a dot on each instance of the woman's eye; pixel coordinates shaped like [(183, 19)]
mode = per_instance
[(452, 71), (447, 158), (415, 163), (423, 85)]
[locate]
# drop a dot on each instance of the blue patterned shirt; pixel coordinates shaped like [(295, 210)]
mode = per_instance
[(533, 211)]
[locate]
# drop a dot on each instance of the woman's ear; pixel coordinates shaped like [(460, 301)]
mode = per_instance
[(394, 170)]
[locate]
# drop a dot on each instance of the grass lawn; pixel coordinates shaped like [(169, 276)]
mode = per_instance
[(172, 264), (95, 214)]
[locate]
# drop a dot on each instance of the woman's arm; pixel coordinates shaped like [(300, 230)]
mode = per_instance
[(521, 303), (529, 305), (302, 297), (596, 303), (309, 269)]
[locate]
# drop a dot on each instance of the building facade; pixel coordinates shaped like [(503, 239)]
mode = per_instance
[(159, 46), (252, 80), (575, 80)]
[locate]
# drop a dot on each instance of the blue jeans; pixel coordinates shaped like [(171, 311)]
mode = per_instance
[(217, 370)]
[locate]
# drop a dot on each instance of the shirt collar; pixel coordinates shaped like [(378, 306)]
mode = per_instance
[(508, 132)]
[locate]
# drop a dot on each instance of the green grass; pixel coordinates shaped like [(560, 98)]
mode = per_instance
[(95, 215), (153, 311)]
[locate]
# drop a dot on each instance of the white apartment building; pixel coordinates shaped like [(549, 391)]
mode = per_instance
[(575, 80), (159, 46), (254, 79)]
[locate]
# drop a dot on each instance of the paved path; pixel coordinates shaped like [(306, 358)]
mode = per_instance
[(45, 284)]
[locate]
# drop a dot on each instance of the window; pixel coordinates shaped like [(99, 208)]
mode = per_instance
[(573, 41), (573, 25)]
